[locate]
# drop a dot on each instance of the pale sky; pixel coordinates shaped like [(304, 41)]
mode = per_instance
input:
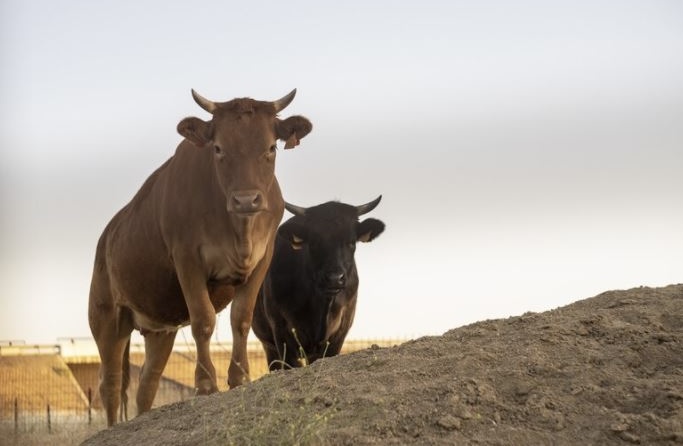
[(529, 153)]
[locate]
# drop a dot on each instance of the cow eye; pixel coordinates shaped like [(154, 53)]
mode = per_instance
[(217, 150), (273, 148)]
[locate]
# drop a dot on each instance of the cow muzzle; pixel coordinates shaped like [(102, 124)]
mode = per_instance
[(246, 202), (333, 282)]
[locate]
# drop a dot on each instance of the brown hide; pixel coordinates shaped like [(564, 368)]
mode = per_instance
[(197, 236)]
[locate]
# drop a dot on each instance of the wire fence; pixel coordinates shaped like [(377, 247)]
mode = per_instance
[(43, 390)]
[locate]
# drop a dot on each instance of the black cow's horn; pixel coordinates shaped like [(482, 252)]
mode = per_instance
[(367, 207), (204, 103), (296, 210), (284, 101)]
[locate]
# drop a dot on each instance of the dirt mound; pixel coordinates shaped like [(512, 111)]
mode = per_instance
[(605, 370)]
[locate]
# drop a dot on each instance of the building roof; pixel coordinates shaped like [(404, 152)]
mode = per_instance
[(34, 381)]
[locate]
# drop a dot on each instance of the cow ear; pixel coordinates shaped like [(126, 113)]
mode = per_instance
[(369, 229), (195, 130), (292, 129), (294, 233)]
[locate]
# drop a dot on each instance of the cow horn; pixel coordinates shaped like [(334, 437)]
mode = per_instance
[(367, 207), (204, 103), (296, 210), (284, 101)]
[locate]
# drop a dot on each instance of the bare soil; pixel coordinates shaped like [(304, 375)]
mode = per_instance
[(605, 370)]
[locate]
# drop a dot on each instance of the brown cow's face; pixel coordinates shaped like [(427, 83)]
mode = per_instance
[(242, 138), (244, 150)]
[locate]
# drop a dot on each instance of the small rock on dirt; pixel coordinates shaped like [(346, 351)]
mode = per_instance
[(449, 422)]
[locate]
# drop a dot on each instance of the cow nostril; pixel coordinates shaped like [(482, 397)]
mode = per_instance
[(256, 201), (336, 279)]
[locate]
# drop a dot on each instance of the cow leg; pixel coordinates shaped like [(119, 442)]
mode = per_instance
[(337, 339), (111, 375), (282, 356), (272, 357), (241, 313), (111, 331), (202, 322), (158, 346), (205, 372)]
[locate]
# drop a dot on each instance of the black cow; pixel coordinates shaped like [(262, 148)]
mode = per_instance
[(307, 301)]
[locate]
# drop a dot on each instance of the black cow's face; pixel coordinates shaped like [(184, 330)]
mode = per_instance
[(329, 233), (333, 255)]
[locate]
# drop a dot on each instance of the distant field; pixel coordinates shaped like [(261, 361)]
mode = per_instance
[(49, 393)]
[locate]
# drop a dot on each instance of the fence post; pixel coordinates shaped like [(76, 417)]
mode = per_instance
[(49, 422), (16, 415), (89, 405)]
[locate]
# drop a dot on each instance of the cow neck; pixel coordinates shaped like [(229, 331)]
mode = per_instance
[(243, 227)]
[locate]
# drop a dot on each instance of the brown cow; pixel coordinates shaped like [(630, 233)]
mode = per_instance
[(197, 236)]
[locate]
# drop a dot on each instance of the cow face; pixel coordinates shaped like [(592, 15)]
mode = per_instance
[(241, 137), (328, 233)]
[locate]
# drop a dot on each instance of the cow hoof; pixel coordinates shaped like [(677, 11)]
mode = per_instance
[(205, 387), (238, 382)]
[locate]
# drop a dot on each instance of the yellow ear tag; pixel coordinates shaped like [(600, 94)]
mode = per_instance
[(297, 243), (292, 141)]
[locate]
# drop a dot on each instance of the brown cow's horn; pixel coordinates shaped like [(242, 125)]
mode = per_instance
[(296, 210), (284, 101), (367, 207), (204, 103)]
